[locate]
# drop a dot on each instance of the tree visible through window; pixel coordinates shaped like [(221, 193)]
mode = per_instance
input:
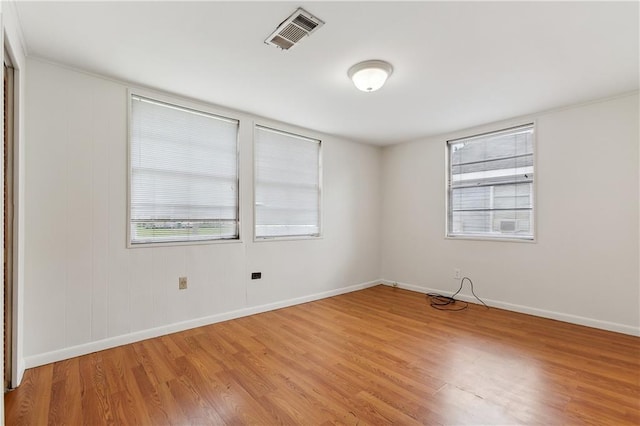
[(491, 185)]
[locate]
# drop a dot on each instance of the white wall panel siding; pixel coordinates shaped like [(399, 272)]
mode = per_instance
[(77, 150), (46, 230), (106, 99), (83, 285), (584, 264), (141, 296)]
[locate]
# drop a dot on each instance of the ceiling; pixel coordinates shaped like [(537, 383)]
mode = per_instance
[(456, 64)]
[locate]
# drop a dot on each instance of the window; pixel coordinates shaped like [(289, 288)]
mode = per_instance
[(183, 174), (491, 185), (287, 184)]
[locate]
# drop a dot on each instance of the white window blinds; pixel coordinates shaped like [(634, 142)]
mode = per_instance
[(184, 174), (287, 184), (491, 185)]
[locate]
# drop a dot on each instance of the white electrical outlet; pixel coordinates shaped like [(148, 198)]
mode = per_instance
[(182, 283), (456, 273)]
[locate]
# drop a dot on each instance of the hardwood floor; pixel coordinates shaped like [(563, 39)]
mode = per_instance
[(376, 356)]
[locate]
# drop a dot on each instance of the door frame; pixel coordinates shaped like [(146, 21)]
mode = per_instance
[(8, 219)]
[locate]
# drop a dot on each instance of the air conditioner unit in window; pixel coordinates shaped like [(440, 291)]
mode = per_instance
[(508, 225)]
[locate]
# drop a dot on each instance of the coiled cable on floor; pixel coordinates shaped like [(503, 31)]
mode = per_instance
[(445, 303)]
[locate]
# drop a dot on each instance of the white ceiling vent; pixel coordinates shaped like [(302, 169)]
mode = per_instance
[(293, 29)]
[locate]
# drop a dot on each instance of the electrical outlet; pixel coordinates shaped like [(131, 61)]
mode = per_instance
[(182, 283), (456, 273), (395, 284), (256, 275)]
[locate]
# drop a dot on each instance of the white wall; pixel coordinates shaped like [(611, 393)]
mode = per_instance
[(84, 290), (583, 267)]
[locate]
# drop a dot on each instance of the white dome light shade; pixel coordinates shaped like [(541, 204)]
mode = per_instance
[(369, 76)]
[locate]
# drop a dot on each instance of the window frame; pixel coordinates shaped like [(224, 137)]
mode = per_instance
[(198, 107), (534, 198), (286, 131)]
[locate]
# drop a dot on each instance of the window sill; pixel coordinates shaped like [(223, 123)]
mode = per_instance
[(487, 238), (290, 238), (182, 243)]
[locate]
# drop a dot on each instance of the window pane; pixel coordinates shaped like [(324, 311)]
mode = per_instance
[(515, 223), (512, 196), (287, 184), (471, 198), (491, 185), (493, 146), (184, 175)]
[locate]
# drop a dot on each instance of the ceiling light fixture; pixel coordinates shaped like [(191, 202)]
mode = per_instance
[(370, 76)]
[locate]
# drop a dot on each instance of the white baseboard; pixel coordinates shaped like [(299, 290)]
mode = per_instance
[(87, 348), (560, 316)]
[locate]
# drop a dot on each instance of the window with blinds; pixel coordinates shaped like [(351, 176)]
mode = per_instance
[(490, 185), (287, 184), (183, 174)]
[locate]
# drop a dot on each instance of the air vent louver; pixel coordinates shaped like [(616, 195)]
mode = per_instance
[(282, 43), (304, 22), (293, 33), (293, 29)]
